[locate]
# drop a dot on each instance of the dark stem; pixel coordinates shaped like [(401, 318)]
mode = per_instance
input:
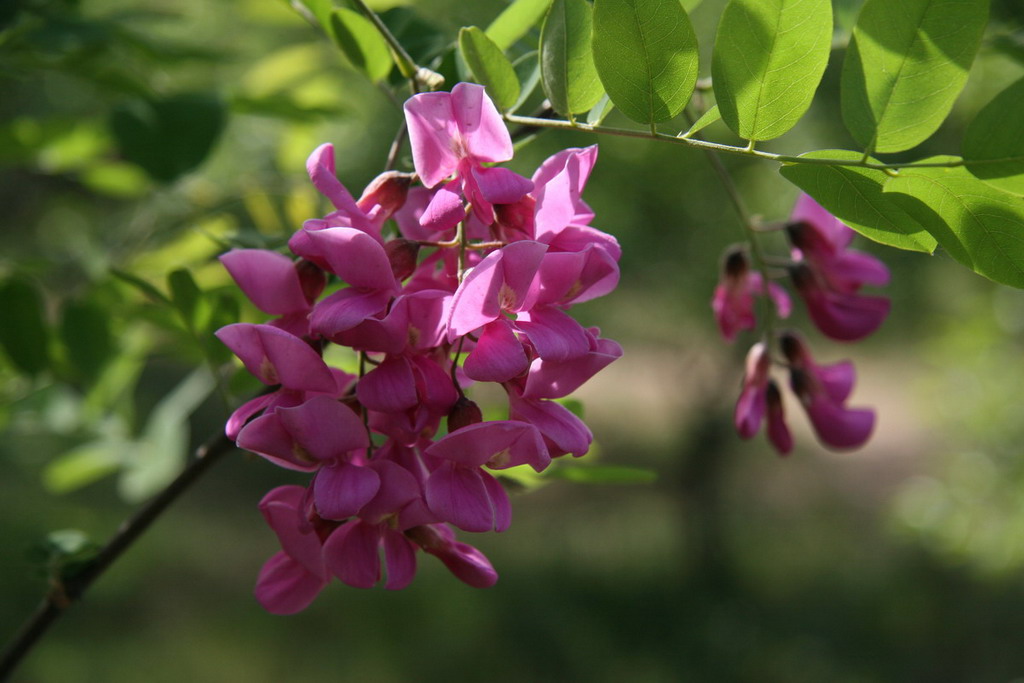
[(66, 593)]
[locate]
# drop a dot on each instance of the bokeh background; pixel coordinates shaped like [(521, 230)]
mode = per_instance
[(143, 137)]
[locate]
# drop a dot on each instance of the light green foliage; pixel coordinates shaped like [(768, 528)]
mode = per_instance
[(706, 119), (361, 43), (490, 67), (567, 66), (768, 59), (997, 132), (513, 23), (646, 55), (88, 341), (23, 332), (978, 225), (854, 195), (906, 64)]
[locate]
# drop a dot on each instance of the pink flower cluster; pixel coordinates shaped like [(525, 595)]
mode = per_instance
[(475, 288), (829, 277)]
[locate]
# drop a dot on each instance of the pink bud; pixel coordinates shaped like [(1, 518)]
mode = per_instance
[(403, 255), (463, 414), (387, 191), (311, 278)]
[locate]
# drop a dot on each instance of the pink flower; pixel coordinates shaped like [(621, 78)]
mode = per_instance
[(733, 301), (760, 397), (829, 275), (823, 391)]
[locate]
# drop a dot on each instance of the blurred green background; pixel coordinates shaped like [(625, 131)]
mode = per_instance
[(144, 137)]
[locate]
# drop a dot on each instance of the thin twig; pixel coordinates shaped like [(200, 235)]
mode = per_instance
[(69, 591)]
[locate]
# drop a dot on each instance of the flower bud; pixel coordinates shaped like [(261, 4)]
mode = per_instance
[(516, 221), (311, 278), (402, 254), (463, 414), (388, 191), (735, 264)]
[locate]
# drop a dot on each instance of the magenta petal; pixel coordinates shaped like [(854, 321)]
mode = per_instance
[(750, 409), (837, 379), (445, 209), (341, 490), (500, 503), (269, 279), (778, 432), (320, 167), (285, 587), (281, 508), (563, 432), (400, 554), (390, 387), (846, 317), (432, 132), (267, 436), (852, 269), (827, 225), (398, 488), (500, 185), (352, 554), (434, 385), (497, 444), (840, 427), (498, 355), (243, 412), (476, 302), (779, 296), (549, 379), (555, 335), (468, 564), (355, 257), (458, 495), (276, 357), (345, 309), (480, 124), (324, 427)]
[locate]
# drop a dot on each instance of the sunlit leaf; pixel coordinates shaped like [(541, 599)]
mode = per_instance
[(490, 67), (768, 59), (567, 66), (602, 474), (706, 119), (997, 132), (362, 44), (24, 334), (516, 19), (138, 283), (854, 196), (977, 224), (84, 465), (906, 63), (185, 295), (528, 72), (646, 55)]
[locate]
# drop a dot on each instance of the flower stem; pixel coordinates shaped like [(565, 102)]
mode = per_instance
[(68, 591)]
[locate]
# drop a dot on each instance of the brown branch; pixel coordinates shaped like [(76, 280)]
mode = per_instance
[(66, 593)]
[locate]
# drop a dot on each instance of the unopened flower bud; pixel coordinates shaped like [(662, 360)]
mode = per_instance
[(311, 278), (388, 191), (402, 254), (735, 264), (516, 221), (463, 414)]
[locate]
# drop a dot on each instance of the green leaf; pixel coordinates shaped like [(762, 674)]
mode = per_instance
[(906, 63), (768, 59), (646, 55), (186, 296), (690, 5), (23, 332), (603, 107), (365, 48), (88, 343), (978, 225), (157, 457), (567, 66), (169, 137), (602, 474), (490, 67), (997, 132), (706, 119), (513, 23), (84, 465), (854, 196), (138, 283)]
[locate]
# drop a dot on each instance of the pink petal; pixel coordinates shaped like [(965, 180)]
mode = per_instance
[(836, 379), (468, 564), (324, 427), (243, 412), (459, 495), (852, 269), (778, 432), (827, 225), (549, 379), (563, 432), (433, 133), (500, 185), (281, 508), (352, 555), (398, 488), (497, 444), (840, 427), (276, 357), (445, 209), (355, 257), (285, 587), (498, 355), (846, 317), (341, 490), (390, 387), (480, 124), (269, 279), (267, 436), (555, 335), (320, 167), (400, 554), (345, 309)]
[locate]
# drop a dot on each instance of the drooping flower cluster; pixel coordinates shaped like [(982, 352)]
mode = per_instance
[(828, 276), (474, 288)]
